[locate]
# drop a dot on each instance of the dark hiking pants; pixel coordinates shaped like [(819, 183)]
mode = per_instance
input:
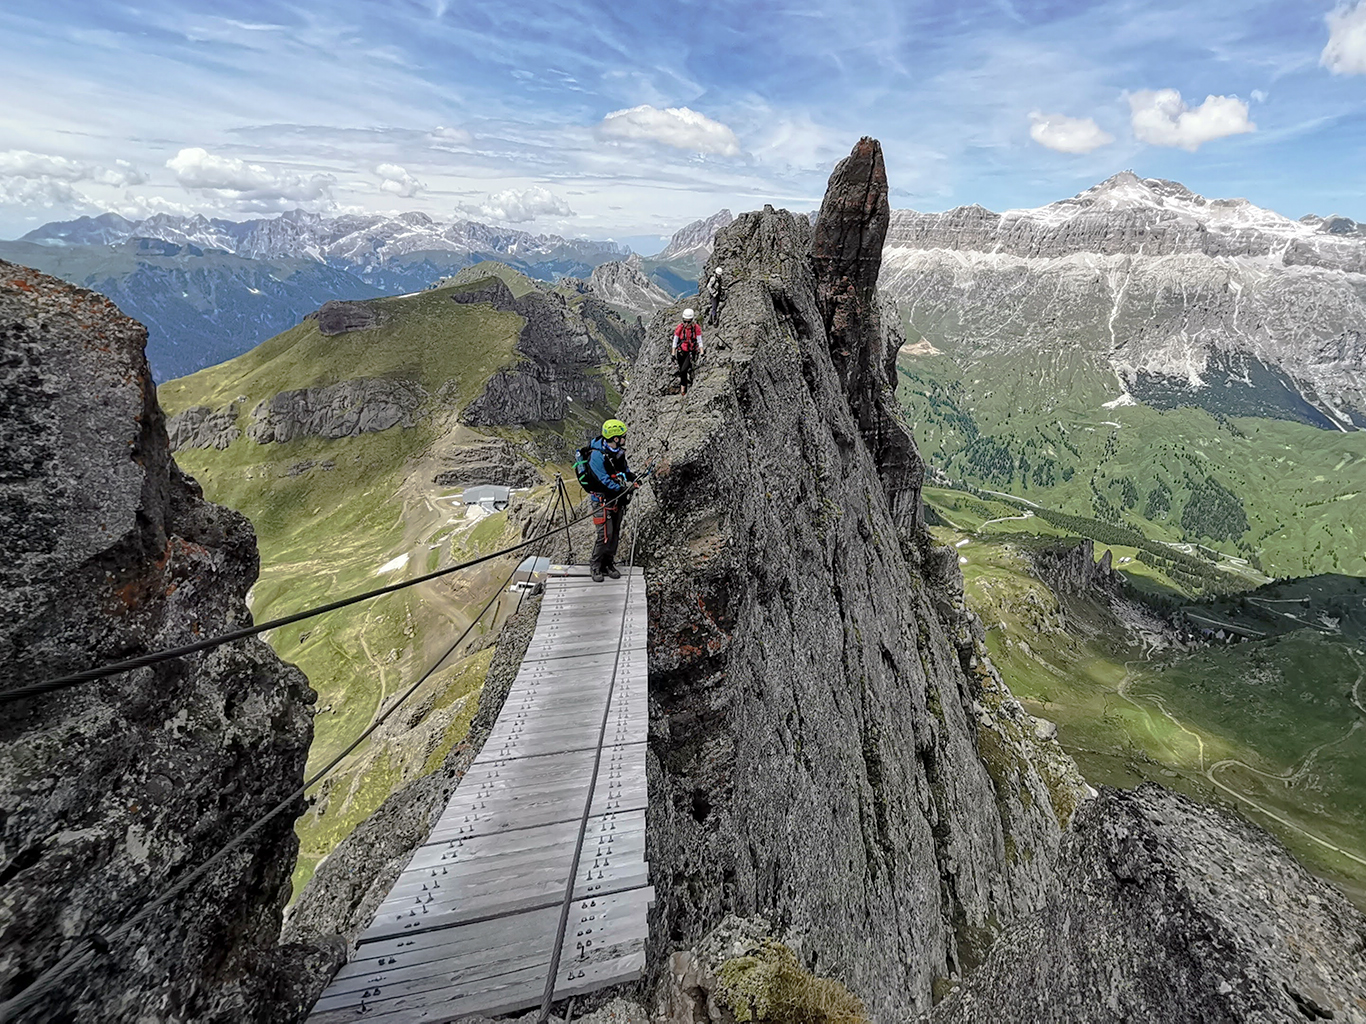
[(684, 368), (607, 532)]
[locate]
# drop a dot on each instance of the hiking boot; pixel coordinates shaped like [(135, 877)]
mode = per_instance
[(597, 576), (613, 571)]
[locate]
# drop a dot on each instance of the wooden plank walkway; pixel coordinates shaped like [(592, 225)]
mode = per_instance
[(470, 925)]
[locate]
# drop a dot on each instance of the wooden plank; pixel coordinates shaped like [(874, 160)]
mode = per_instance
[(467, 925), (443, 989)]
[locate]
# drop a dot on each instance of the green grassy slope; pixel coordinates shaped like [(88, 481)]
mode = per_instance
[(1283, 496), (428, 338), (1272, 727), (335, 517)]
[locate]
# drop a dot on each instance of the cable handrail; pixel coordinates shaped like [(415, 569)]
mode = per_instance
[(100, 942)]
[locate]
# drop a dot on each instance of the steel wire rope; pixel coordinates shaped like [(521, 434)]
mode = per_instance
[(170, 654), (100, 942)]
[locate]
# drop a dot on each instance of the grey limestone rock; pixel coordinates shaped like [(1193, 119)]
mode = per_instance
[(1169, 911), (559, 350), (1185, 300), (696, 239), (1073, 569), (347, 409), (341, 317), (202, 427), (623, 283), (488, 461), (826, 751), (111, 790)]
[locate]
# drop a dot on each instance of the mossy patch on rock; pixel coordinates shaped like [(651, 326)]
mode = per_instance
[(769, 984)]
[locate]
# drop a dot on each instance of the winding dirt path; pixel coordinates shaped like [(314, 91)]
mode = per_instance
[(1293, 775)]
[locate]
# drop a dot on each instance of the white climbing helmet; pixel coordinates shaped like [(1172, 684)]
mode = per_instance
[(717, 272), (688, 314)]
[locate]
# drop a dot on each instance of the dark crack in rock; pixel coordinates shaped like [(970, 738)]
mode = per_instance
[(1171, 912), (111, 790)]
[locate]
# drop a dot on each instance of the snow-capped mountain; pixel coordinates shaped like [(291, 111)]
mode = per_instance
[(364, 245), (1214, 302)]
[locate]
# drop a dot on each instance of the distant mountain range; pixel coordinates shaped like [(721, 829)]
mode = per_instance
[(1183, 300), (209, 289)]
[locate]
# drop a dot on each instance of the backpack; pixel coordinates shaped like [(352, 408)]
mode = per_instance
[(587, 479), (687, 342)]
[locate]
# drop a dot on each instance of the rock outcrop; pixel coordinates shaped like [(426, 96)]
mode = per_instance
[(348, 409), (112, 790), (1188, 301), (828, 750), (846, 252), (1074, 569), (695, 241), (623, 283), (559, 352), (203, 427), (340, 317), (1168, 911), (489, 461)]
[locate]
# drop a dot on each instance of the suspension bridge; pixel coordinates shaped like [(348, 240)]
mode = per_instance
[(533, 886)]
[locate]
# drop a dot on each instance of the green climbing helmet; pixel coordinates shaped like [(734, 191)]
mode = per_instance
[(613, 428)]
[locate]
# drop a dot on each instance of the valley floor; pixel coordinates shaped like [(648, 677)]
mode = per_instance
[(1271, 726)]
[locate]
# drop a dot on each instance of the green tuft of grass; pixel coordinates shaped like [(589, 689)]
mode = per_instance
[(768, 985)]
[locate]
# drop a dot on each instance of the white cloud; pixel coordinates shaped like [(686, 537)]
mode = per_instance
[(1067, 134), (20, 163), (515, 207), (1160, 117), (397, 180), (196, 168), (456, 136), (678, 127), (1345, 53), (43, 191)]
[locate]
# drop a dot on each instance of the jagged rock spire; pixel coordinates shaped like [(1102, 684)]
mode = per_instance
[(846, 255)]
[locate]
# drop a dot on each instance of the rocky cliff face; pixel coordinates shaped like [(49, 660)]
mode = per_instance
[(829, 748), (623, 283), (558, 350), (1167, 911), (1187, 300), (347, 409), (111, 790), (695, 241)]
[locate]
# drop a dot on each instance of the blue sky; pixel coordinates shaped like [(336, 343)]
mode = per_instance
[(628, 120)]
